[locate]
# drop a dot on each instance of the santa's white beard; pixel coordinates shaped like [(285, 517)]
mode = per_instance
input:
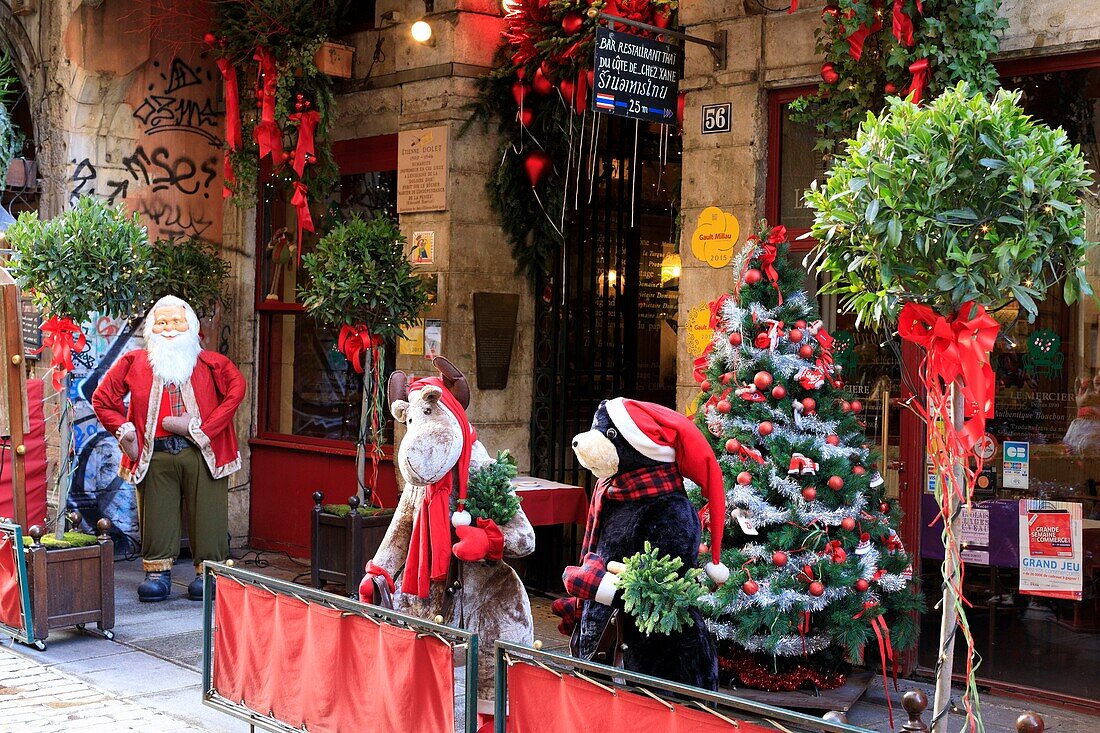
[(173, 359)]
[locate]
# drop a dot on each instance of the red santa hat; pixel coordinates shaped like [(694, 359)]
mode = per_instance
[(667, 436)]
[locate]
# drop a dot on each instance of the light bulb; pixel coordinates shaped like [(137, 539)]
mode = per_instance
[(421, 31)]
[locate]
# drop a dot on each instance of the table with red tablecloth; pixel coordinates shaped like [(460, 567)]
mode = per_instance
[(557, 512), (548, 502)]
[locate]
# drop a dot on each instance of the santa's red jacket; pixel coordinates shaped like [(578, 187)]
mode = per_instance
[(213, 393)]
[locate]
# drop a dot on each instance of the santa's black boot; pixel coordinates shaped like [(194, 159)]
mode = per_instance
[(157, 586), (194, 589)]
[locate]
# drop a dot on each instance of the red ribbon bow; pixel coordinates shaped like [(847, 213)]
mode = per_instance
[(300, 202), (716, 311), (857, 39), (268, 135), (919, 70), (903, 24), (885, 650), (354, 341), (64, 338), (305, 151), (767, 260)]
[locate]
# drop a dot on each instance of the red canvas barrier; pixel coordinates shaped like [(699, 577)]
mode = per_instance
[(542, 702), (309, 664), (34, 462), (11, 594)]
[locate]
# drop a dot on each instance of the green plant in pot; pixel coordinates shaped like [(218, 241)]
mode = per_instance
[(360, 280), (188, 268), (930, 216)]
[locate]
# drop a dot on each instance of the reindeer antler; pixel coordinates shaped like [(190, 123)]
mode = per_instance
[(397, 388), (454, 380)]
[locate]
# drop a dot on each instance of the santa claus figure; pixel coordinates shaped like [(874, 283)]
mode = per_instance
[(177, 441)]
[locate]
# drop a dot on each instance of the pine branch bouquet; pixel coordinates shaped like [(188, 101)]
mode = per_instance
[(489, 494), (655, 592)]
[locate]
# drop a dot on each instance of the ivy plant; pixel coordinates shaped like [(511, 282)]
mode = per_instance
[(965, 200), (92, 257), (188, 268)]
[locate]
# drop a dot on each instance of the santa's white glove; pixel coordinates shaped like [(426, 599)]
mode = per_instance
[(179, 425)]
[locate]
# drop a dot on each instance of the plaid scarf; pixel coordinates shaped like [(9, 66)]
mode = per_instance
[(641, 483)]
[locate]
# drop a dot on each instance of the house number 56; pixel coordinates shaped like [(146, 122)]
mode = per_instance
[(716, 118)]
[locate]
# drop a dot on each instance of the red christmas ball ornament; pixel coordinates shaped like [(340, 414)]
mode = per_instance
[(538, 165), (830, 11), (884, 507), (703, 549), (750, 587), (744, 478), (847, 524), (832, 440), (890, 88), (733, 445), (541, 84), (845, 406), (735, 338), (816, 588), (779, 391), (765, 429), (836, 483), (800, 323), (568, 88), (862, 585), (519, 92), (753, 276), (779, 558), (705, 385), (795, 335), (572, 22), (762, 341), (209, 39), (829, 75), (762, 380), (725, 378), (859, 470), (521, 73), (724, 407), (809, 405), (526, 116), (857, 406), (809, 493), (806, 351)]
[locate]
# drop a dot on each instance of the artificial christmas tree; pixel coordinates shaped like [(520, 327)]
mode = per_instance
[(817, 570)]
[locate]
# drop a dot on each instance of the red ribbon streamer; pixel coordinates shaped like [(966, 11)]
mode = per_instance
[(919, 70), (903, 24), (354, 341), (232, 104), (793, 8), (886, 652), (716, 311), (267, 133), (300, 202), (305, 152), (229, 178), (857, 39), (64, 338)]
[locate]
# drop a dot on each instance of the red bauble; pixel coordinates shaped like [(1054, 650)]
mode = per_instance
[(859, 470), (762, 380), (724, 407), (795, 335), (725, 378), (538, 165), (809, 404), (541, 84), (519, 92), (735, 338), (809, 493), (884, 507), (733, 445), (830, 11), (705, 385), (832, 440), (836, 483), (862, 585), (829, 75), (816, 588), (890, 88), (567, 88), (779, 558), (744, 478), (753, 276), (857, 406), (765, 429), (845, 406), (762, 341), (209, 39), (779, 391), (800, 323), (703, 549), (750, 587), (806, 351), (526, 116), (572, 22), (847, 524)]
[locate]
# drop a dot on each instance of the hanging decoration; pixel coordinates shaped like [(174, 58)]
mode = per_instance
[(874, 49), (539, 95)]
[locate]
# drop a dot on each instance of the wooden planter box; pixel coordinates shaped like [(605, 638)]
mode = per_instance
[(73, 586), (341, 546)]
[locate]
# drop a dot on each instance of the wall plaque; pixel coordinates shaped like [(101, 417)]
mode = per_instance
[(422, 170), (494, 333)]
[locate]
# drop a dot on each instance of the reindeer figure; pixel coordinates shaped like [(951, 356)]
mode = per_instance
[(435, 457)]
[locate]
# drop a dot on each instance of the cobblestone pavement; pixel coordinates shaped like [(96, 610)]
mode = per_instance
[(42, 699)]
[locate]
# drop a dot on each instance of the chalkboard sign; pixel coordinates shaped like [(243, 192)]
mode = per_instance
[(635, 77), (31, 321)]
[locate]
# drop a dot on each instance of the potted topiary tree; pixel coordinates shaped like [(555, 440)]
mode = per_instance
[(360, 280), (930, 216)]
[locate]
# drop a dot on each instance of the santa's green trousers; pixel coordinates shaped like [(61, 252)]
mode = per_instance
[(173, 481)]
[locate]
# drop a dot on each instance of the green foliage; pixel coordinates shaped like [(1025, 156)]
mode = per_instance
[(962, 200), (91, 257), (188, 268), (360, 274), (489, 494), (12, 139), (656, 593), (957, 38)]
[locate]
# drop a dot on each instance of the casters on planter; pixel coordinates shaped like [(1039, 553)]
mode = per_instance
[(81, 627), (39, 645), (108, 635)]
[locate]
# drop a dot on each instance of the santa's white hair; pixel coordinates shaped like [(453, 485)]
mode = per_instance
[(174, 359)]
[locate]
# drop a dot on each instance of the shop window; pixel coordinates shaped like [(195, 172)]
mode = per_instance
[(309, 390)]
